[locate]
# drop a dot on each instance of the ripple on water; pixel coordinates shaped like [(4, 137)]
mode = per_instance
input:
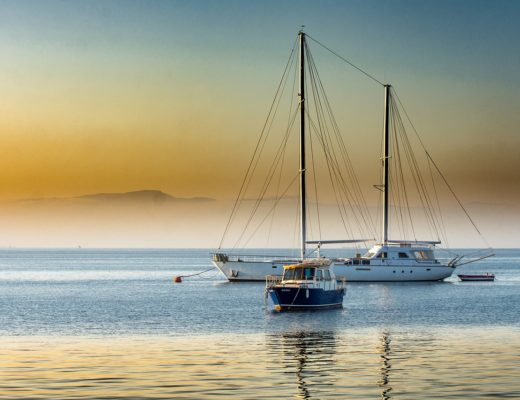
[(369, 363)]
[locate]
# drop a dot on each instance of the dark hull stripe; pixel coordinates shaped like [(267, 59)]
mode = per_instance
[(348, 281)]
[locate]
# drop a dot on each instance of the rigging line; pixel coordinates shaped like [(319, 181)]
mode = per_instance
[(456, 198), (242, 187), (440, 173), (405, 192), (398, 177), (357, 193), (348, 195), (416, 174), (320, 129), (325, 137), (272, 170), (315, 185), (267, 182), (270, 173), (344, 156), (397, 133), (337, 182), (282, 164), (271, 209), (268, 132), (329, 165), (310, 103), (290, 121), (334, 182), (345, 60), (401, 184), (439, 210), (434, 213), (325, 141)]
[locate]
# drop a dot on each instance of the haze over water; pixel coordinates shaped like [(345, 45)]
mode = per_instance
[(121, 96), (111, 324)]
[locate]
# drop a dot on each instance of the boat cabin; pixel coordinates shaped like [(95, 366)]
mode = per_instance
[(313, 274), (401, 252), (307, 272), (310, 285)]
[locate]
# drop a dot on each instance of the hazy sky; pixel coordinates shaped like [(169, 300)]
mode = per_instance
[(110, 96)]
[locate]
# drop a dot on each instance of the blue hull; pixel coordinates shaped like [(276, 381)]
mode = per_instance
[(305, 299)]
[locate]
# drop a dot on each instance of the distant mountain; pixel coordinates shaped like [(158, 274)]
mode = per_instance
[(155, 196), (138, 196)]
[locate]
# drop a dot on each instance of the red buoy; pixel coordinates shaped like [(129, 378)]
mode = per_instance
[(177, 279)]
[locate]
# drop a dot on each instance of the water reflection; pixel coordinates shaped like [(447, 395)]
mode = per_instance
[(384, 351), (307, 358), (407, 364)]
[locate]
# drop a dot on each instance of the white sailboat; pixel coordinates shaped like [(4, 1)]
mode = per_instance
[(394, 260), (387, 260)]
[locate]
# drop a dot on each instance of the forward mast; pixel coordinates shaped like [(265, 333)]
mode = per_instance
[(303, 212)]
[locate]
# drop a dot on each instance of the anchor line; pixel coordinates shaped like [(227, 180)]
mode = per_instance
[(198, 273)]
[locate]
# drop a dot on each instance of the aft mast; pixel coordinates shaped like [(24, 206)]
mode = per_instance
[(386, 156), (303, 234)]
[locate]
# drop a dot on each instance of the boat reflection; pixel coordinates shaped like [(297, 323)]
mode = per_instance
[(384, 352), (309, 357)]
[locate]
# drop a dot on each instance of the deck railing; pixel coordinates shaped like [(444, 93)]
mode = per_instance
[(272, 280), (254, 258)]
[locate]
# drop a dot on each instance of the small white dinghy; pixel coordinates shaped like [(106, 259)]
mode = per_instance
[(475, 278)]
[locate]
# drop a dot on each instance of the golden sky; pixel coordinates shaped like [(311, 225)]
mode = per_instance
[(121, 96)]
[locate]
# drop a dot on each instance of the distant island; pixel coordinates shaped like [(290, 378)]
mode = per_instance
[(155, 196), (137, 196)]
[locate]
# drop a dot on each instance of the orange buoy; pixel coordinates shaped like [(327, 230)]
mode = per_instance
[(177, 279)]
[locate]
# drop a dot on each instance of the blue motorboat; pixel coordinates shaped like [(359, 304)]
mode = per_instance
[(310, 285)]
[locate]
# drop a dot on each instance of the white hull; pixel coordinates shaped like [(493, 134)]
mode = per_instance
[(244, 271), (392, 272)]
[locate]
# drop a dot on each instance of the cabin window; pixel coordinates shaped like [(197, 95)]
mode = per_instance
[(383, 254), (288, 274), (424, 255), (403, 255), (319, 275), (355, 261), (365, 262), (326, 274), (292, 274), (298, 274), (308, 273)]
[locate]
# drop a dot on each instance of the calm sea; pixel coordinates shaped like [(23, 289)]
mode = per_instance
[(111, 324)]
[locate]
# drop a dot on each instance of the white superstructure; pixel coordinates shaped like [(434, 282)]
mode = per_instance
[(394, 262)]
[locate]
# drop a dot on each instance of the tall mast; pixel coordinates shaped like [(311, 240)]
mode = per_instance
[(386, 156), (303, 233)]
